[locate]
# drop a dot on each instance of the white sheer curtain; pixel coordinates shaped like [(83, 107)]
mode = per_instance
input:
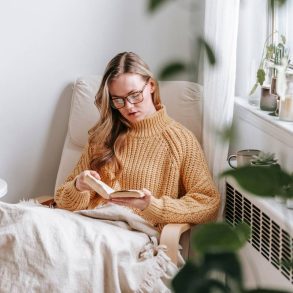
[(220, 30)]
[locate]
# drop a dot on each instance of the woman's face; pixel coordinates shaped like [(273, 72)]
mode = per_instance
[(135, 88)]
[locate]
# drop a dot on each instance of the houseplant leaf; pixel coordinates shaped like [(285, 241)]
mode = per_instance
[(227, 263), (278, 2), (153, 5), (224, 238), (183, 279), (262, 181), (261, 75), (172, 69), (208, 49), (270, 51), (207, 286)]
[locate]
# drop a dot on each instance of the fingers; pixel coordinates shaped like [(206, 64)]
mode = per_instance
[(146, 192), (80, 183), (139, 203), (95, 174)]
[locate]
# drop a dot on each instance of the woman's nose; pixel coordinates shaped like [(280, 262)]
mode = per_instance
[(128, 105)]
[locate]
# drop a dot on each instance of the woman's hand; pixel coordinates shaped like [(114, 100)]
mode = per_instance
[(80, 183), (139, 203)]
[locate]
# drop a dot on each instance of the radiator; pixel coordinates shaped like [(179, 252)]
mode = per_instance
[(271, 241)]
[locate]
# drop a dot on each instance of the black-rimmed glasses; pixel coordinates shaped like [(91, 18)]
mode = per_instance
[(133, 98)]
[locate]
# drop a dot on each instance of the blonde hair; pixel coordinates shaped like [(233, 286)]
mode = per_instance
[(106, 138)]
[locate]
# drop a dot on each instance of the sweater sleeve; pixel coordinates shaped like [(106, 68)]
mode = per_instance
[(67, 196), (201, 201)]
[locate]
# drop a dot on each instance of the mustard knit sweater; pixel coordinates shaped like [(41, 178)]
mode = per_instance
[(163, 156)]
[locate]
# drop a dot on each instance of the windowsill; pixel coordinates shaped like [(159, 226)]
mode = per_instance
[(281, 130)]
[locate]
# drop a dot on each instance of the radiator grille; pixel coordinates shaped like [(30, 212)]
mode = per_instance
[(267, 237)]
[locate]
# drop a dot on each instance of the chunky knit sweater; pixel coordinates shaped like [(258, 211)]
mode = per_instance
[(163, 156)]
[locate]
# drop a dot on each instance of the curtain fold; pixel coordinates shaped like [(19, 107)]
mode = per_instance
[(220, 31)]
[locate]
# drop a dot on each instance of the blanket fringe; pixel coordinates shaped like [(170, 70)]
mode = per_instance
[(162, 267), (29, 202)]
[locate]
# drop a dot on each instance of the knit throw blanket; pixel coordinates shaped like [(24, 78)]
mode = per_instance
[(108, 249)]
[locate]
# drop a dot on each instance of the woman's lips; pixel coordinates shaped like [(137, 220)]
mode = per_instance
[(132, 113)]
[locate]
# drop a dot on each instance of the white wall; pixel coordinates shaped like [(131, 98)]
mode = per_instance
[(45, 45)]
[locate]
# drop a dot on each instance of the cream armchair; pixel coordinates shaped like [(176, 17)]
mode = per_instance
[(183, 101)]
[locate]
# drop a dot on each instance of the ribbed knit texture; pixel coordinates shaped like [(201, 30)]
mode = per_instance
[(163, 156)]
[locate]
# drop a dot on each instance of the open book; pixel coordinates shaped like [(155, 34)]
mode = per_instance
[(107, 192)]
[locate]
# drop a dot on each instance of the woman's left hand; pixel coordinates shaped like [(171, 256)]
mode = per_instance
[(139, 203)]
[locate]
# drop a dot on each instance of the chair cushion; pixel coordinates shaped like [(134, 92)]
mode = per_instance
[(182, 99), (83, 113)]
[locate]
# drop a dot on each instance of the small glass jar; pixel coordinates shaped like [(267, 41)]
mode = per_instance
[(286, 102)]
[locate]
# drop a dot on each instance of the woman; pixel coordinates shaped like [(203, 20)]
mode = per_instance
[(136, 145)]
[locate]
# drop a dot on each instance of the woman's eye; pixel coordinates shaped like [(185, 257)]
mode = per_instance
[(134, 96), (118, 101)]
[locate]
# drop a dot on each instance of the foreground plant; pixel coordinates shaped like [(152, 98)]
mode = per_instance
[(216, 266), (266, 182)]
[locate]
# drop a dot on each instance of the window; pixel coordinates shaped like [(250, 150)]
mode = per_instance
[(281, 18)]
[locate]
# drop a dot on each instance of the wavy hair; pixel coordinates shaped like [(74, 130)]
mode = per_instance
[(107, 137)]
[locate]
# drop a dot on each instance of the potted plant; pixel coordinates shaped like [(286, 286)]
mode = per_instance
[(272, 55), (264, 159)]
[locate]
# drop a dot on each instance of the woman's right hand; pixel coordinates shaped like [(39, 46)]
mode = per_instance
[(80, 183)]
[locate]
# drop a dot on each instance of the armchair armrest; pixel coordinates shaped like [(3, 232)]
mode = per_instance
[(46, 200), (174, 234)]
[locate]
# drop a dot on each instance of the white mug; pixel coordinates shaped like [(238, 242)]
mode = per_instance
[(242, 157)]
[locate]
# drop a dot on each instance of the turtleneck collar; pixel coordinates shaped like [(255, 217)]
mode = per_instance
[(151, 125)]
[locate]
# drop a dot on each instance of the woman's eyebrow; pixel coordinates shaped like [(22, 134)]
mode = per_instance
[(129, 93)]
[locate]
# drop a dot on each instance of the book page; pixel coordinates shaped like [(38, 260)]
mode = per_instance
[(99, 186), (107, 192), (127, 193)]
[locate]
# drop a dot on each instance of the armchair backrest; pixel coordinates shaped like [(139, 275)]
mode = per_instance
[(183, 101)]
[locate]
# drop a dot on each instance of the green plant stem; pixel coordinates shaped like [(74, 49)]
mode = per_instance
[(265, 44)]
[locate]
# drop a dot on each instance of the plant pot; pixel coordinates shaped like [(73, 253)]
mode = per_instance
[(268, 101)]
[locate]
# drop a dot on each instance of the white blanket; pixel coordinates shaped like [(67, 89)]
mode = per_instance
[(53, 250)]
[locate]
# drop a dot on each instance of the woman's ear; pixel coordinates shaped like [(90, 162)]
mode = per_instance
[(153, 85)]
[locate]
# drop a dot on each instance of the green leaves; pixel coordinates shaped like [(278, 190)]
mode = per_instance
[(177, 67), (216, 244), (261, 76), (153, 5), (172, 69), (190, 67), (277, 2), (197, 277), (208, 49), (220, 238), (270, 51), (263, 181)]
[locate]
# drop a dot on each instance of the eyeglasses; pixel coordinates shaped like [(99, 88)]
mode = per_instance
[(134, 98)]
